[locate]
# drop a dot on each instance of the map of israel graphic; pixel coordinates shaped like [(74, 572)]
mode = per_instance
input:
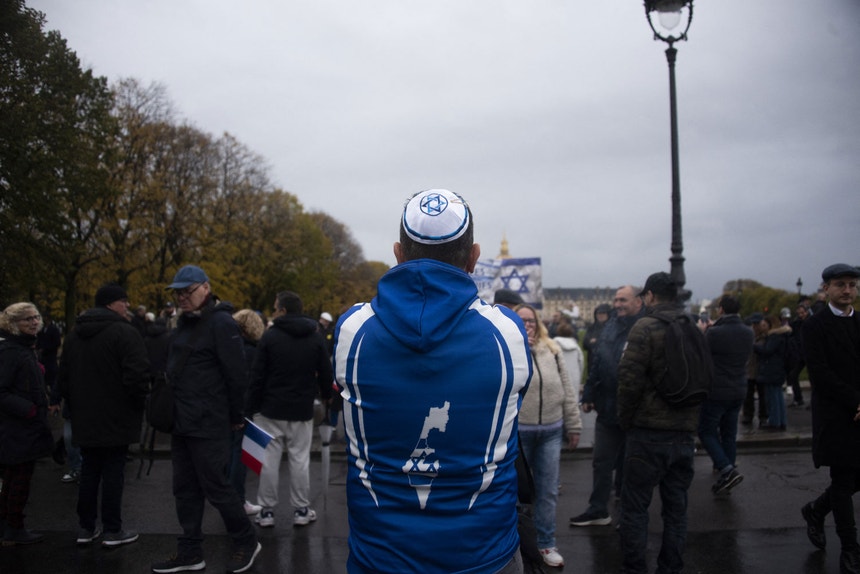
[(423, 466)]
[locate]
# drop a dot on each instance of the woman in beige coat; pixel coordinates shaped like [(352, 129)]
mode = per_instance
[(549, 411)]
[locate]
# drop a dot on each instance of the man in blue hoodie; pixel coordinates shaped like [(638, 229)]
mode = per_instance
[(432, 379)]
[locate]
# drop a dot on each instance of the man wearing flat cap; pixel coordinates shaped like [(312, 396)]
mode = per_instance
[(431, 379), (207, 371), (831, 340), (104, 378)]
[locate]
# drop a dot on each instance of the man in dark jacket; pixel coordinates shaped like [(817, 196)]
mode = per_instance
[(731, 343), (104, 377), (831, 340), (660, 437), (291, 366), (207, 371), (599, 395)]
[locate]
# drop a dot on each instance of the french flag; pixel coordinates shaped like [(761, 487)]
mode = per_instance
[(254, 445)]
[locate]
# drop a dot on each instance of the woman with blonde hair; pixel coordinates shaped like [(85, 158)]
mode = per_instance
[(24, 432), (252, 327), (549, 410)]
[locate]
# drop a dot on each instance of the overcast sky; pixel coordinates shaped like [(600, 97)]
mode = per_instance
[(551, 117)]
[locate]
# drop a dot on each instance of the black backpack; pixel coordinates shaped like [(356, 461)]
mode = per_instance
[(689, 366)]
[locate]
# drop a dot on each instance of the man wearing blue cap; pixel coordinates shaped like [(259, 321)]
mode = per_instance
[(831, 340), (432, 378), (206, 368)]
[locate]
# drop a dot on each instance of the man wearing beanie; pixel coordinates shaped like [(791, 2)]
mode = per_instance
[(207, 371), (432, 379), (104, 378)]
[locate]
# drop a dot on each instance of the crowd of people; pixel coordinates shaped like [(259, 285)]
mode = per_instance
[(454, 409)]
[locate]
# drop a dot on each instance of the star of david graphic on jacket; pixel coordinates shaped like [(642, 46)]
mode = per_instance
[(423, 466), (434, 204)]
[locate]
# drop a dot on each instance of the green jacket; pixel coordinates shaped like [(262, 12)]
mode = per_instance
[(641, 366)]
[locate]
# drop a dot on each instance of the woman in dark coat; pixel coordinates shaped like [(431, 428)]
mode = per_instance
[(24, 432), (771, 371)]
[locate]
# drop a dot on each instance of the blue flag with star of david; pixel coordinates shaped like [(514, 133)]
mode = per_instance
[(521, 275)]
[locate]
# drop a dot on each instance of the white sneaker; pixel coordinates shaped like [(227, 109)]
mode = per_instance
[(551, 557), (266, 518), (304, 516), (252, 509)]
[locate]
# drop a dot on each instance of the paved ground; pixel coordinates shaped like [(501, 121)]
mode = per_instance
[(756, 530)]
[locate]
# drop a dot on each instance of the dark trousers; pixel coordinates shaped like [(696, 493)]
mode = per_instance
[(236, 470), (15, 493), (198, 476), (753, 388), (844, 483), (794, 382), (663, 459), (608, 446), (103, 466)]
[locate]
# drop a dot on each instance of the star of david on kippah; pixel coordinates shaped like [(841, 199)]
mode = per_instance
[(435, 216), (433, 204)]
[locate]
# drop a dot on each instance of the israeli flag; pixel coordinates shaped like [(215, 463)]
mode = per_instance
[(521, 275)]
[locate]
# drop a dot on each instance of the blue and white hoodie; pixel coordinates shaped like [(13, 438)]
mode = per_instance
[(432, 379)]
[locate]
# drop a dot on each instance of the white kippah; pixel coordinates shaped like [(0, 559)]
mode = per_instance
[(435, 216)]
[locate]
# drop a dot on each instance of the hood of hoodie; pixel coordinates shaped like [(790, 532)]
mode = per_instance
[(93, 321), (566, 343), (420, 302), (296, 325)]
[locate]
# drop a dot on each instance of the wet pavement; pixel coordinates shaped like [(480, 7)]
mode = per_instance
[(756, 529)]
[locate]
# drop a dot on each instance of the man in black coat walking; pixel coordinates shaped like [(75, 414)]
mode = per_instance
[(104, 378), (832, 343), (731, 344)]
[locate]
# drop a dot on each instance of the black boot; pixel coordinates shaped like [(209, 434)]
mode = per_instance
[(814, 525), (12, 536), (849, 561)]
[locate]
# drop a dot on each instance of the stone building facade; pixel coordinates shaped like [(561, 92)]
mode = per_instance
[(563, 299)]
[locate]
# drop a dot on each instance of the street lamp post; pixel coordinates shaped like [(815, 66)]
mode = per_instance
[(799, 286), (670, 20)]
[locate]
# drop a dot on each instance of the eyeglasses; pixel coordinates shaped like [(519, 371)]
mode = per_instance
[(529, 321), (844, 284), (187, 292), (30, 319)]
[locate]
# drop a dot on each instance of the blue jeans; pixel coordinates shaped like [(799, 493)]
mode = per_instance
[(655, 458), (608, 445), (542, 449), (777, 416), (718, 430)]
